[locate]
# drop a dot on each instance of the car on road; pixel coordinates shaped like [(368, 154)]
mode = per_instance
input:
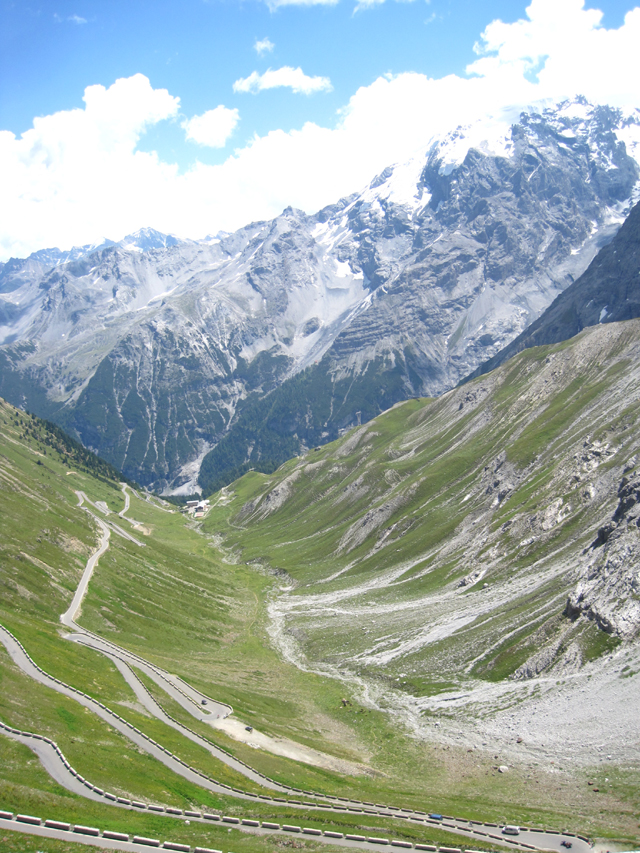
[(509, 829), (566, 844), (435, 816)]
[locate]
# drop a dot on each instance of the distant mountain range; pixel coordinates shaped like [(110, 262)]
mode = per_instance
[(186, 362), (140, 241)]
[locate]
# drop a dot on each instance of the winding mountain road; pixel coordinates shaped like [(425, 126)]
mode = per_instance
[(69, 616), (192, 701)]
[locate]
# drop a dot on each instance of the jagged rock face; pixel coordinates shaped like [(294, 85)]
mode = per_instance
[(401, 290), (609, 590), (607, 292), (497, 239), (19, 270)]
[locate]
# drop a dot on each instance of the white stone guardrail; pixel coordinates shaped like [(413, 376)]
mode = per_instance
[(353, 805), (331, 797), (95, 832), (122, 721), (374, 808), (118, 650)]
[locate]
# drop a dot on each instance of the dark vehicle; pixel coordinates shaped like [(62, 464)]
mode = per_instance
[(204, 701), (248, 728), (566, 844), (435, 816)]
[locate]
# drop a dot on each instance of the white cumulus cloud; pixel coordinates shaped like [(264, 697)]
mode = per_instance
[(212, 128), (78, 176), (263, 46), (75, 173), (285, 77), (571, 49)]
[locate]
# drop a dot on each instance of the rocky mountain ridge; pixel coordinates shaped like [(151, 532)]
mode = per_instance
[(140, 241), (152, 358)]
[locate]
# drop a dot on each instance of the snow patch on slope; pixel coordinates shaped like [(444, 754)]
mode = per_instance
[(400, 185), (491, 139)]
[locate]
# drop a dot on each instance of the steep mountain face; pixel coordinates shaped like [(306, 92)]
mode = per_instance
[(480, 266), (608, 291), (470, 563), (152, 357)]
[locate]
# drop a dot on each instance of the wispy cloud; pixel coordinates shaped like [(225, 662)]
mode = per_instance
[(212, 128), (73, 19), (369, 4), (359, 5), (292, 78), (275, 4), (263, 46)]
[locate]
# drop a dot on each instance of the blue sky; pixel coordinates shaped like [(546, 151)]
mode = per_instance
[(351, 62)]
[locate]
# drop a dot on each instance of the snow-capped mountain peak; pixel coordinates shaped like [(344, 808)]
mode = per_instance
[(146, 239), (400, 290)]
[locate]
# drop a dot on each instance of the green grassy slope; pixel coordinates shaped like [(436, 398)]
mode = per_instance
[(177, 602), (385, 507), (45, 542)]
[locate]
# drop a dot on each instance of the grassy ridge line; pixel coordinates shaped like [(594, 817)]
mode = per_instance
[(56, 440)]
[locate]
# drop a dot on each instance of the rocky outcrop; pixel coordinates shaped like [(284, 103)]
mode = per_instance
[(500, 478), (609, 590), (274, 499), (374, 519)]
